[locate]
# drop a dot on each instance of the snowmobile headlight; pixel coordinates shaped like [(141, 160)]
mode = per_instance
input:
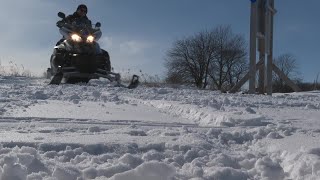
[(76, 37), (90, 39)]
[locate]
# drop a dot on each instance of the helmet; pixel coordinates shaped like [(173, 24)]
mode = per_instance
[(82, 6)]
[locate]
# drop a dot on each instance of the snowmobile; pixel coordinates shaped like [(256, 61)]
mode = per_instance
[(79, 58)]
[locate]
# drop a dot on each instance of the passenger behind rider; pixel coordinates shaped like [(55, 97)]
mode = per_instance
[(78, 17)]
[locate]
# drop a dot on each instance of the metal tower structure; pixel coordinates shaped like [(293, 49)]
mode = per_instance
[(261, 39)]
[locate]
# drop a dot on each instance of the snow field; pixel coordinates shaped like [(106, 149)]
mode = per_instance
[(154, 133)]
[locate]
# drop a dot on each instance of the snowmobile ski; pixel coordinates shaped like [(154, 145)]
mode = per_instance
[(133, 84), (56, 80)]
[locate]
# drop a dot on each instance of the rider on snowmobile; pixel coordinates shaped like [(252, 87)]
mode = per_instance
[(79, 17), (77, 57)]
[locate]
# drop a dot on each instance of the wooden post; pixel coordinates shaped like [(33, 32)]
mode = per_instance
[(261, 81), (285, 78), (269, 45), (253, 47), (261, 43), (245, 79)]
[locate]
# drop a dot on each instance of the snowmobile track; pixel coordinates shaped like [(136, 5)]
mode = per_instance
[(92, 122)]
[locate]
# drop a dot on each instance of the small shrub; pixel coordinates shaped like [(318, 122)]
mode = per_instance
[(14, 70)]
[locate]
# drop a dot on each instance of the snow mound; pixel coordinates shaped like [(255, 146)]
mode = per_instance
[(227, 173), (304, 164), (131, 160), (269, 169), (148, 170), (232, 119), (210, 116)]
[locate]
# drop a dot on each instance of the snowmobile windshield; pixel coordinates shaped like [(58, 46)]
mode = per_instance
[(81, 32), (83, 28)]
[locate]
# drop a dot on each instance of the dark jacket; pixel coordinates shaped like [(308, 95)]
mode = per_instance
[(77, 19)]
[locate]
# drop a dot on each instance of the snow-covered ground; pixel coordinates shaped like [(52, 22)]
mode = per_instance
[(97, 131)]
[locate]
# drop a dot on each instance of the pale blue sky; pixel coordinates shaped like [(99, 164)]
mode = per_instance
[(137, 33)]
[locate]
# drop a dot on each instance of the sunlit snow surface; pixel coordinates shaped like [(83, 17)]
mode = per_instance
[(98, 131)]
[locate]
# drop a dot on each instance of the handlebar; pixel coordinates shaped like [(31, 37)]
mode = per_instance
[(61, 24)]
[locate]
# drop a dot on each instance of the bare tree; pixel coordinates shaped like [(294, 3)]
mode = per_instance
[(216, 57), (229, 63), (287, 63), (190, 58)]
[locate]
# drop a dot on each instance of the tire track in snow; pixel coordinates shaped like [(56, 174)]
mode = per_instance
[(93, 122)]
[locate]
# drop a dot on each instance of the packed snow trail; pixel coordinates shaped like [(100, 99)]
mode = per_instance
[(98, 131)]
